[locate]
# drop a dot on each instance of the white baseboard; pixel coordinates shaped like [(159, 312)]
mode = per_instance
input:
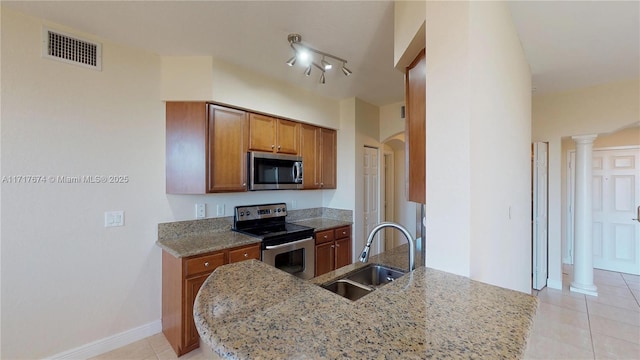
[(113, 342), (554, 284)]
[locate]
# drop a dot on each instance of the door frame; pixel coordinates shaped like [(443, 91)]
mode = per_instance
[(570, 178), (388, 197), (540, 244)]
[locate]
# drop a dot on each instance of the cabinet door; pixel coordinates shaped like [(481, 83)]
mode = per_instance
[(262, 133), (288, 134), (416, 129), (310, 152), (328, 158), (227, 152), (343, 252), (186, 124), (192, 286), (325, 258)]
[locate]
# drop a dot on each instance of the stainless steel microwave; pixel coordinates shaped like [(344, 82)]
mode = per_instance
[(269, 171)]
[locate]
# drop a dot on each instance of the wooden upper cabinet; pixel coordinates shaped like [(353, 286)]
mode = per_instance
[(227, 152), (318, 150), (328, 158), (206, 148), (310, 152), (416, 129), (273, 135)]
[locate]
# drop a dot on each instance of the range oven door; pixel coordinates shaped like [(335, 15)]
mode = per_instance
[(297, 257)]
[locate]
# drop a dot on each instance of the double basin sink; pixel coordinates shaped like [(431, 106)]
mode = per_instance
[(359, 283)]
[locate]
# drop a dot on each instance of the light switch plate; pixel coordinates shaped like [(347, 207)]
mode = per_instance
[(113, 218), (220, 210), (201, 211)]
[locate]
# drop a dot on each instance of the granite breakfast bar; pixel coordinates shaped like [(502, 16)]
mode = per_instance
[(250, 310)]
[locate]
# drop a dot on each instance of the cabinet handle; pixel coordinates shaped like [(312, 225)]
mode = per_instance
[(279, 147), (273, 146), (206, 264), (325, 236), (246, 255), (244, 184), (332, 246)]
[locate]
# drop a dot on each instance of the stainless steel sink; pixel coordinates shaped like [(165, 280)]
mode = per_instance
[(374, 275), (348, 289), (359, 283)]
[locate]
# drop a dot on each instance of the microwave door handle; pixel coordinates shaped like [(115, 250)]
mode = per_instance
[(297, 171)]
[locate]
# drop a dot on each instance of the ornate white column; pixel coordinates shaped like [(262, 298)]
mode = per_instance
[(583, 222)]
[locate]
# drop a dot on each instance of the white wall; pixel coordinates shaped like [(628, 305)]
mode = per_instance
[(597, 109), (477, 141), (409, 31), (448, 138), (391, 122), (500, 149), (229, 84), (66, 280)]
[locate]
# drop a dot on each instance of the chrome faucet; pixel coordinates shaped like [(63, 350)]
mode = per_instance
[(364, 256)]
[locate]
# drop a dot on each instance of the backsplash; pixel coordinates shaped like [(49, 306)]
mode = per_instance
[(174, 230)]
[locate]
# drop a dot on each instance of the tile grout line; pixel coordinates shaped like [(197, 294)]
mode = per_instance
[(593, 348), (631, 291)]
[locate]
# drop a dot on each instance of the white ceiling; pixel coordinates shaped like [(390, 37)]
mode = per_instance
[(568, 44)]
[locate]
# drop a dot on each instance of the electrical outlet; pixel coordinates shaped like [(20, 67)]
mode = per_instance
[(201, 211), (113, 218), (220, 210), (294, 204)]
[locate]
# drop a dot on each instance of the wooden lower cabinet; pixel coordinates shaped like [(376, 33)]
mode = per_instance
[(333, 249), (181, 281)]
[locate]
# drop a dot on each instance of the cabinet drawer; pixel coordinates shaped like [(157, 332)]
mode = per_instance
[(343, 232), (324, 236), (251, 252), (202, 264)]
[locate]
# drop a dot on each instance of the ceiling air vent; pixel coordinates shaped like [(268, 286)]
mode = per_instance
[(71, 49)]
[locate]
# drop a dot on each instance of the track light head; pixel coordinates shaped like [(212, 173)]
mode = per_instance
[(307, 72), (345, 71), (325, 64), (322, 78), (292, 61)]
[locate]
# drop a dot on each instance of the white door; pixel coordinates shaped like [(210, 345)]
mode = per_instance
[(616, 195), (540, 229), (370, 185)]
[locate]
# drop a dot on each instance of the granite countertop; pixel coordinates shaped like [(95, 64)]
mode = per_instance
[(199, 244), (320, 224), (189, 238), (250, 310)]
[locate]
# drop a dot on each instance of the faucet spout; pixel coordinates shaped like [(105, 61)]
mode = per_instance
[(364, 256)]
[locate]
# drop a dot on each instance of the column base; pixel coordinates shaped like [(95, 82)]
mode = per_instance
[(584, 289)]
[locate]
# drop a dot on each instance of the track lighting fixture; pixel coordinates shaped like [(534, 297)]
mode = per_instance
[(306, 54)]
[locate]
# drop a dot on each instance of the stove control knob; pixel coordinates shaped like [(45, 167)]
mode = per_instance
[(241, 213), (248, 213)]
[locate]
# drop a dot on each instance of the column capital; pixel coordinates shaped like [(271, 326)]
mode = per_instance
[(584, 139)]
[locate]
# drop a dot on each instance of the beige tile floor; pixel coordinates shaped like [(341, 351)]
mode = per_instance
[(567, 325), (575, 326)]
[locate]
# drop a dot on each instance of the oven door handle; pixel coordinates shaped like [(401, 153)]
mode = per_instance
[(288, 244)]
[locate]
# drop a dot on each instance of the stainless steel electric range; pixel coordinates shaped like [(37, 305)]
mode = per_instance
[(288, 247)]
